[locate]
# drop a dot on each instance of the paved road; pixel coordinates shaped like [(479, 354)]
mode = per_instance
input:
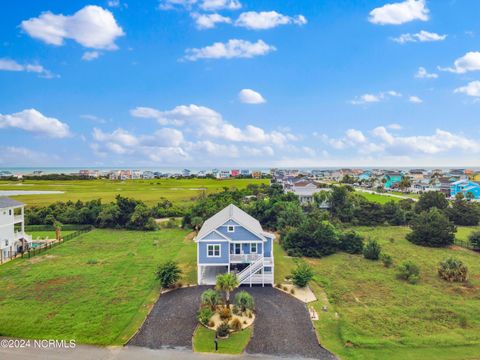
[(85, 352)]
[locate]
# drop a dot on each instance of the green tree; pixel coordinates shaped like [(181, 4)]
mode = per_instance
[(463, 212), (405, 183), (302, 275), (474, 239), (211, 298), (431, 199), (141, 219), (351, 242), (372, 250), (226, 283), (453, 270), (340, 203), (432, 228), (244, 301), (168, 273)]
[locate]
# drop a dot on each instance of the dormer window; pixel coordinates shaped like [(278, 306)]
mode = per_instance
[(231, 228)]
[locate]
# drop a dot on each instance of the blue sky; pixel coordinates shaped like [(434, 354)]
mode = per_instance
[(240, 83)]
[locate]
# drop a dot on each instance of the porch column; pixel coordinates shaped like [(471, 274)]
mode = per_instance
[(23, 220)]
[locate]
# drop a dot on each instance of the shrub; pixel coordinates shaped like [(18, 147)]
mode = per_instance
[(168, 274), (292, 291), (453, 270), (210, 298), (351, 242), (278, 286), (284, 288), (225, 313), (223, 330), (409, 271), (92, 261), (432, 228), (372, 250), (302, 275), (211, 323), (204, 315), (475, 239), (386, 260), (236, 325), (244, 300)]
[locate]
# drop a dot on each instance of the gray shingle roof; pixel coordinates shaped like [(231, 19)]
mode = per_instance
[(6, 202), (234, 213)]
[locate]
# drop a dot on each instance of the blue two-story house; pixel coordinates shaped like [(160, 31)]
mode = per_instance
[(233, 241), (465, 187)]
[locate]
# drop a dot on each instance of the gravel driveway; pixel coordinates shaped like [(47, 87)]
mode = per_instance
[(283, 327), (172, 321)]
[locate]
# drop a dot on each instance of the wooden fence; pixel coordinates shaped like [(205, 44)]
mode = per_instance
[(465, 244), (33, 251)]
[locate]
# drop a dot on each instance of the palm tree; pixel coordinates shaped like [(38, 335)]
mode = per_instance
[(227, 283), (210, 298)]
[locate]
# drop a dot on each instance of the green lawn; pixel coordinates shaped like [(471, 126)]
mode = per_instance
[(203, 341), (381, 199), (96, 288), (182, 191), (373, 315)]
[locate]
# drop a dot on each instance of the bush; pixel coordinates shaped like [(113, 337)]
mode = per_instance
[(236, 325), (372, 250), (210, 298), (92, 261), (225, 313), (168, 274), (475, 239), (204, 315), (432, 228), (223, 330), (386, 260), (302, 275), (351, 242), (409, 271), (453, 270), (244, 301)]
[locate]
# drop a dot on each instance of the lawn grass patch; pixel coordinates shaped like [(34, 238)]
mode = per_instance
[(203, 341), (180, 191), (96, 288), (373, 315)]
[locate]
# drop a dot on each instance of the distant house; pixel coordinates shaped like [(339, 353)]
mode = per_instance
[(465, 187), (365, 176), (306, 190), (245, 172), (186, 173), (223, 174), (233, 241), (256, 174), (147, 175), (234, 172), (13, 239), (391, 179)]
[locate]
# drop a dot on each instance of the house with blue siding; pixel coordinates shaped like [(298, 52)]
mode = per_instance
[(392, 178), (233, 241), (465, 187)]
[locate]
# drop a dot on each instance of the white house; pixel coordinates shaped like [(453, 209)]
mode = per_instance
[(13, 239)]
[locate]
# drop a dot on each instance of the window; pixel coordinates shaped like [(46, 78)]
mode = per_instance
[(231, 228), (237, 249), (253, 248), (213, 250), (6, 242), (10, 212)]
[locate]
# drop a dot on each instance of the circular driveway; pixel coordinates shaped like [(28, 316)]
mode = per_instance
[(282, 327)]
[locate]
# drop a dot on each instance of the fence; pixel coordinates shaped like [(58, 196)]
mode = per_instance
[(33, 251), (465, 244)]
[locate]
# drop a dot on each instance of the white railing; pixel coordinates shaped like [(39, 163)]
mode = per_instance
[(244, 258), (250, 270), (17, 219)]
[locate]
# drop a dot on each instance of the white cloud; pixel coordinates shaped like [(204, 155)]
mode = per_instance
[(11, 65), (374, 98), (214, 5), (21, 156), (469, 62), (422, 36), (90, 55), (209, 21), (91, 27), (267, 20), (472, 89), (119, 136), (209, 123), (93, 118), (113, 3), (355, 136), (234, 48), (422, 73), (249, 96), (34, 121), (174, 4), (399, 13), (395, 126), (415, 100)]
